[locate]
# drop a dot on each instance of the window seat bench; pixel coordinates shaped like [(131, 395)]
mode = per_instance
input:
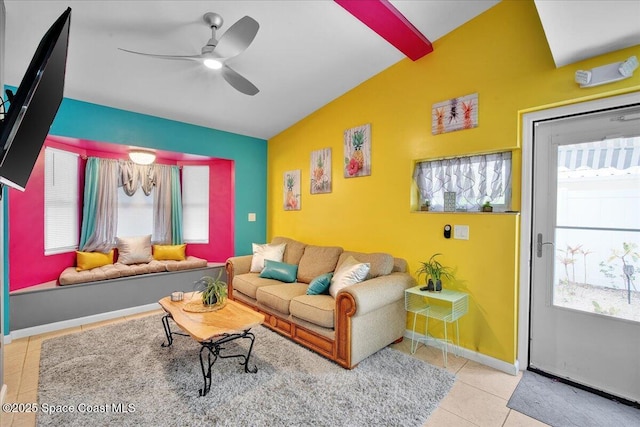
[(46, 304)]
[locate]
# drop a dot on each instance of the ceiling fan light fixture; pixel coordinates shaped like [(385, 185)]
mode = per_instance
[(142, 157), (213, 64)]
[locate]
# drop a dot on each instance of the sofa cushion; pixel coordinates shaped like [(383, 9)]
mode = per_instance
[(249, 283), (89, 260), (170, 252), (349, 273), (264, 252), (320, 285), (293, 251), (279, 296), (317, 309), (317, 260), (279, 271), (381, 264), (134, 250)]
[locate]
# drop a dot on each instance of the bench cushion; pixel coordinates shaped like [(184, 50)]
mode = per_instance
[(279, 296), (317, 309), (187, 264), (70, 276)]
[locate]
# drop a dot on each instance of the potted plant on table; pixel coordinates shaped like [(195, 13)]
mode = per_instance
[(434, 272), (425, 206), (214, 291)]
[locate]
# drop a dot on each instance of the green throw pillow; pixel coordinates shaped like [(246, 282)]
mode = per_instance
[(279, 271), (320, 285)]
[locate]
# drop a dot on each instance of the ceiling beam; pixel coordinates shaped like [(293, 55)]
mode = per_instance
[(383, 18)]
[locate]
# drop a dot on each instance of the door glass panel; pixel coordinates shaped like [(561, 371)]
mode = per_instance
[(597, 231)]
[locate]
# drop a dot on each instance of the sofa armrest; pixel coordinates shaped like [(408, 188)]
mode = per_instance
[(240, 264), (374, 293)]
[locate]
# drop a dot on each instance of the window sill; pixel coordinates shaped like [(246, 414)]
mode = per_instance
[(468, 212)]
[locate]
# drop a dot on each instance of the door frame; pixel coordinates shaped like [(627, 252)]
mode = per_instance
[(528, 118)]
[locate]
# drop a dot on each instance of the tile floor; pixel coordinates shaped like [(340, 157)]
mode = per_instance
[(478, 397)]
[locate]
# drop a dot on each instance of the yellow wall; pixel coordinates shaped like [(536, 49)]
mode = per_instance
[(503, 56)]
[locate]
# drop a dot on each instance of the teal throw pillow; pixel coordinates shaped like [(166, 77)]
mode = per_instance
[(320, 285), (279, 271)]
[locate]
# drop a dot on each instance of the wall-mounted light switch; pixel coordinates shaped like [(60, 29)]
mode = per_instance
[(252, 217), (461, 232)]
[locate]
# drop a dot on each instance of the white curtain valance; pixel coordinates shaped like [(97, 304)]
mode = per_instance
[(474, 179), (133, 175)]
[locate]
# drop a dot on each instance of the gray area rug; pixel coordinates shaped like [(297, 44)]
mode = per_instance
[(120, 375), (560, 405)]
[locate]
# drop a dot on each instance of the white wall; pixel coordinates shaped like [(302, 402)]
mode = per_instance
[(607, 201)]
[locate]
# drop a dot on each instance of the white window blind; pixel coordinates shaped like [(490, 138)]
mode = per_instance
[(61, 206), (135, 213), (195, 204)]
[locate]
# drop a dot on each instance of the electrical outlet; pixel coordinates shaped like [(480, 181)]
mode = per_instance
[(461, 232), (252, 217)]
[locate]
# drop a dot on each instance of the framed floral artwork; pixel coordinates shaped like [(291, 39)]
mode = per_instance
[(455, 114), (321, 171), (357, 151), (292, 190)]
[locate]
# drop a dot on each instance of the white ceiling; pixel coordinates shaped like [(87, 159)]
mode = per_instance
[(305, 54)]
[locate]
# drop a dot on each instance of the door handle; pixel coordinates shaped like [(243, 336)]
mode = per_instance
[(539, 244)]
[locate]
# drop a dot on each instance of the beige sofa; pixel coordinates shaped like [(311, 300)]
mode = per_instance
[(362, 319)]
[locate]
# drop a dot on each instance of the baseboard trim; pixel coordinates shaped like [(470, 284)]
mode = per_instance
[(492, 362), (56, 326)]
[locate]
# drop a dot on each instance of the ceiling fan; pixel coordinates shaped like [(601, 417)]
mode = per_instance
[(216, 52)]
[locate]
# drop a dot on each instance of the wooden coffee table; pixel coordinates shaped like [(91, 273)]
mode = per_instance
[(212, 330)]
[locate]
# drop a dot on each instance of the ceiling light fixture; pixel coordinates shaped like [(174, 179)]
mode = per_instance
[(214, 64), (142, 157)]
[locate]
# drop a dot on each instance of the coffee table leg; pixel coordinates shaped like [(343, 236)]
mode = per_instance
[(213, 348), (167, 330), (206, 373), (252, 337)]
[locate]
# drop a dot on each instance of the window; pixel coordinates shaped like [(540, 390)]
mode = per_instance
[(135, 213), (61, 210), (474, 179), (195, 204)]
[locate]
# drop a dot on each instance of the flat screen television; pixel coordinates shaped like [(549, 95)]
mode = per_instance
[(34, 106)]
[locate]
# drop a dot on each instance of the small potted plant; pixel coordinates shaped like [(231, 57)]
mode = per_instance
[(425, 206), (434, 272), (214, 291), (486, 207)]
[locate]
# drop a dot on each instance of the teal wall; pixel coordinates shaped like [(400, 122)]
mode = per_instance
[(78, 119)]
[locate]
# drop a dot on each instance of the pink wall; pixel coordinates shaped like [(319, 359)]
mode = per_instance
[(29, 266)]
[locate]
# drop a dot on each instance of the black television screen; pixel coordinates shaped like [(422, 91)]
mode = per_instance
[(34, 106)]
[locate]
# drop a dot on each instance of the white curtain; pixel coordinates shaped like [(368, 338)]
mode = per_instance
[(162, 205), (100, 214), (474, 179)]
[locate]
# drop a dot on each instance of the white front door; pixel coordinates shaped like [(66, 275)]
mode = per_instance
[(585, 265)]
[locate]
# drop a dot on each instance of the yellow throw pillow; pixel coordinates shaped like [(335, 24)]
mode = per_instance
[(170, 252), (89, 260)]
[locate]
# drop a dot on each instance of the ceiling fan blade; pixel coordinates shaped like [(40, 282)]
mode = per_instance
[(237, 38), (153, 55), (238, 82)]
